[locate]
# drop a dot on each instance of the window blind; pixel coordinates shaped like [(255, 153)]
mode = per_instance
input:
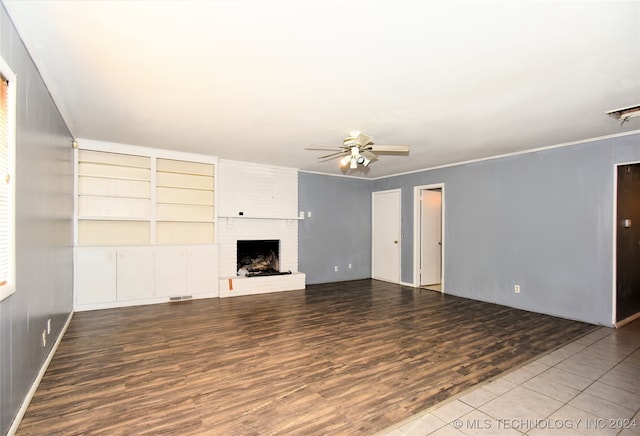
[(5, 184)]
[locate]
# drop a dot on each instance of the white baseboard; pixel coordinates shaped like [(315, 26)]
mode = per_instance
[(140, 302), (36, 382)]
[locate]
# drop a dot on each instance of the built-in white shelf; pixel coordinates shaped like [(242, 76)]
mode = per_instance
[(144, 198), (245, 217)]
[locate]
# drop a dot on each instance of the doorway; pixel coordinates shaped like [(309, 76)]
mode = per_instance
[(386, 233), (627, 281), (429, 237)]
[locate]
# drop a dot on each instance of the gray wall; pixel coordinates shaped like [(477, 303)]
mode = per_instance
[(543, 220), (338, 233), (44, 212)]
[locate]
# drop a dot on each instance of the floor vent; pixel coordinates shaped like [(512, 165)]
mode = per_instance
[(180, 298)]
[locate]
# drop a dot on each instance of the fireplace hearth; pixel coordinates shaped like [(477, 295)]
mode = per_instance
[(259, 258)]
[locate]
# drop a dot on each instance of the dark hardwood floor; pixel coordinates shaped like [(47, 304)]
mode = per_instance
[(340, 358)]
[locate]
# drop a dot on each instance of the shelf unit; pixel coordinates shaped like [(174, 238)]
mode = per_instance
[(135, 199), (245, 217), (114, 198), (145, 226), (184, 202)]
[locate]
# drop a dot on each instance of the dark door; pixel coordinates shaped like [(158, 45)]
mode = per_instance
[(628, 242)]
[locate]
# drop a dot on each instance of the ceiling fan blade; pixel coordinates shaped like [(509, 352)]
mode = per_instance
[(369, 155), (332, 154), (323, 147), (363, 139), (389, 148), (331, 158)]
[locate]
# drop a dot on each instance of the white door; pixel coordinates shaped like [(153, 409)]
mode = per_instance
[(386, 236), (431, 237)]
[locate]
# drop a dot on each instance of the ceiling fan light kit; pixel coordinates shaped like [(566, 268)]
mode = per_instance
[(359, 149), (364, 161)]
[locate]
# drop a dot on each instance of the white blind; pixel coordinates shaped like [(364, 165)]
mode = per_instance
[(5, 183)]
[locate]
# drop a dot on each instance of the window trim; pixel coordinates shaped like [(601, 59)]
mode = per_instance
[(9, 288)]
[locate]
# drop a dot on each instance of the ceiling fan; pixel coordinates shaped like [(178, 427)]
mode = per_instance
[(359, 149)]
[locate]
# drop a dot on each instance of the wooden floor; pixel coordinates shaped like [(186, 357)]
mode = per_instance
[(341, 358)]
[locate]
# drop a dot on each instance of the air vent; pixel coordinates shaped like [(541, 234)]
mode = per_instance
[(625, 113), (180, 298)]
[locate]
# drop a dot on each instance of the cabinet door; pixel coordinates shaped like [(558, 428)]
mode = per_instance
[(202, 269), (171, 271), (134, 276), (95, 275)]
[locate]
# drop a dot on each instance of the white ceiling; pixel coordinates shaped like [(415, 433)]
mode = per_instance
[(260, 80)]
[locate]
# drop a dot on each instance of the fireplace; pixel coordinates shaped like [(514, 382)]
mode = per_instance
[(258, 258), (285, 276)]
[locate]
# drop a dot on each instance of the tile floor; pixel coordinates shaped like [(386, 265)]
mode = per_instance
[(588, 387)]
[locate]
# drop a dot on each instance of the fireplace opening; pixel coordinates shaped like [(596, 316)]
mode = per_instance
[(258, 258)]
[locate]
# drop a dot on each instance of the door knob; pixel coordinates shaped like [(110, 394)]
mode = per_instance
[(395, 242)]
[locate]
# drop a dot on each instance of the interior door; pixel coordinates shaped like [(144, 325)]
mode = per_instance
[(431, 237), (386, 236), (628, 242)]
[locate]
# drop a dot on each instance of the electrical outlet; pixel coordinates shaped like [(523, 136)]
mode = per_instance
[(516, 289), (309, 214), (349, 266), (301, 215), (49, 326), (335, 268), (44, 338)]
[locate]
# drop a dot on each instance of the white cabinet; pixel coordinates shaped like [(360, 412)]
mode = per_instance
[(145, 225), (134, 275), (95, 275), (171, 267), (186, 270), (202, 269), (108, 274), (121, 276)]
